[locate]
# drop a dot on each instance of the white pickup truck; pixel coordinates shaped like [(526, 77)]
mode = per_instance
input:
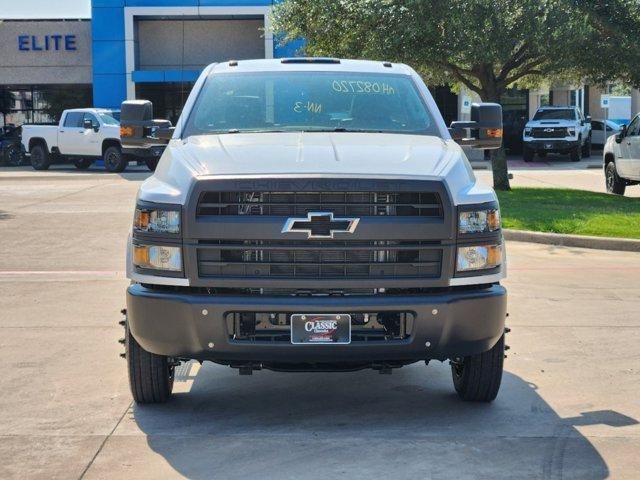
[(563, 130), (82, 136)]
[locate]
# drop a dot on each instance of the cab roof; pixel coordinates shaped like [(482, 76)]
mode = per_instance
[(315, 64)]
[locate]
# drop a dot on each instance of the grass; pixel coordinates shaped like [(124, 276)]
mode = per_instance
[(574, 212)]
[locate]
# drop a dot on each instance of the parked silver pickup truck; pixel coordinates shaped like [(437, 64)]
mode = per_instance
[(621, 158), (316, 215)]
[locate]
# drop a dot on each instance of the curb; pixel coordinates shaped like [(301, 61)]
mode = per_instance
[(578, 241)]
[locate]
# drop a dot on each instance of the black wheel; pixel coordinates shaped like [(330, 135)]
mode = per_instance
[(615, 184), (575, 154), (14, 155), (477, 378), (82, 163), (114, 161), (40, 158), (152, 163), (586, 148), (527, 154), (150, 375)]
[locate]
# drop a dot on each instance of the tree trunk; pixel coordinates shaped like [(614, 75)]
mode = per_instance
[(498, 156), (500, 170)]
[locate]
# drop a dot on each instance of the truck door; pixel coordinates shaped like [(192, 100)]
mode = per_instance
[(628, 165), (70, 133), (91, 144)]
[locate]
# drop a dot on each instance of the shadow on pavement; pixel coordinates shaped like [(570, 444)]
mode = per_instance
[(5, 215), (364, 425), (132, 173)]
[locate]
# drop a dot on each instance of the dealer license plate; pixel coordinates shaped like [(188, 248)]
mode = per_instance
[(321, 329)]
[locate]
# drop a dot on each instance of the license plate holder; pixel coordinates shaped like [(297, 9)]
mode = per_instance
[(320, 329)]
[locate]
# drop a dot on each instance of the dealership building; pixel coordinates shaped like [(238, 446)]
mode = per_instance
[(155, 49)]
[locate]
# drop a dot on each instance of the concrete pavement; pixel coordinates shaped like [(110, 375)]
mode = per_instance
[(554, 171), (567, 409)]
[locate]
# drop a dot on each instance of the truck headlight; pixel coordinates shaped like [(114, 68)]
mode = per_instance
[(157, 257), (478, 257), (156, 220), (571, 132), (479, 221), (527, 132)]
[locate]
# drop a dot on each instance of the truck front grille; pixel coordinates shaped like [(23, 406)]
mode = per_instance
[(549, 132), (359, 204), (319, 259)]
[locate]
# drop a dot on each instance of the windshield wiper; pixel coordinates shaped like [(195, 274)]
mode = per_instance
[(342, 130)]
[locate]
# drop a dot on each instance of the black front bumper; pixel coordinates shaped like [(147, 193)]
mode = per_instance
[(551, 145), (155, 151), (453, 323)]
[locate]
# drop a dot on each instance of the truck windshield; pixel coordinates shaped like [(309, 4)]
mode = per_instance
[(309, 101), (556, 114), (108, 118)]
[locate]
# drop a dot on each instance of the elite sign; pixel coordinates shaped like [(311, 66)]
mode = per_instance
[(39, 43)]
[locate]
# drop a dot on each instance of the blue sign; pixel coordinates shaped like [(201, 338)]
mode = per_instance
[(45, 43)]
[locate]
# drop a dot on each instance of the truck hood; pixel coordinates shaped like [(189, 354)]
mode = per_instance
[(339, 154), (323, 153)]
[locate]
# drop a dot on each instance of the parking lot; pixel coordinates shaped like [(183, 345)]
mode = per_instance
[(568, 407)]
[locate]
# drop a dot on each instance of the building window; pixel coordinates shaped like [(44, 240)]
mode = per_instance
[(40, 103), (167, 98)]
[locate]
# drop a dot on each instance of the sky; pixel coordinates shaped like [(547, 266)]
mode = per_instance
[(11, 9)]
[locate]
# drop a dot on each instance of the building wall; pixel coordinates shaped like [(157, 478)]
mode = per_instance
[(120, 58), (45, 52), (194, 44)]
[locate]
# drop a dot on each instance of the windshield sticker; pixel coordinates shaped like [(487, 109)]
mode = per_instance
[(358, 86), (310, 107)]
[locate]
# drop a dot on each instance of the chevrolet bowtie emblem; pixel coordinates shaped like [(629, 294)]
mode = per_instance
[(320, 225)]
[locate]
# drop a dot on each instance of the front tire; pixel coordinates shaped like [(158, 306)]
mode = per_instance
[(114, 160), (527, 154), (40, 158), (575, 154), (615, 184), (477, 378), (152, 163), (14, 156), (150, 375)]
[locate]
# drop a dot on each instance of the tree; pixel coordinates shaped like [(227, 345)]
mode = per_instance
[(486, 45)]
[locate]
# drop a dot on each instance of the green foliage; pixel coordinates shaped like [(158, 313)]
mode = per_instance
[(570, 212), (486, 45)]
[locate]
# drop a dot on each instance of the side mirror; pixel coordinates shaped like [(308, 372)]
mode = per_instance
[(138, 129), (164, 133), (588, 118), (621, 134), (485, 127)]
